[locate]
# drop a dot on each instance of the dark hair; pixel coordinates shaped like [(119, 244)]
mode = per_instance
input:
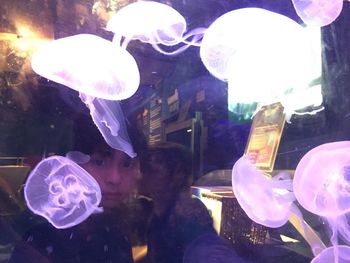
[(176, 158)]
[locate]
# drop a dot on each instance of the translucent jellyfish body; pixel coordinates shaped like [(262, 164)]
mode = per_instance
[(340, 254), (265, 57), (321, 185), (109, 119), (322, 180), (247, 29), (62, 192), (268, 202), (153, 23), (148, 21), (318, 12), (89, 64)]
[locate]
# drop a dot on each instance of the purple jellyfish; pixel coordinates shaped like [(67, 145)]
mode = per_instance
[(62, 192), (318, 12), (109, 119), (268, 202), (78, 157), (321, 185), (339, 254), (154, 23), (89, 64), (324, 189)]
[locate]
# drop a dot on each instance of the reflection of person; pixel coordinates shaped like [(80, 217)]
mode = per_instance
[(102, 237), (181, 228)]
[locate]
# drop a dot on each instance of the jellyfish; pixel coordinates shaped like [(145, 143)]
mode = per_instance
[(89, 64), (260, 53), (153, 23), (318, 12), (78, 157), (322, 185), (266, 201), (269, 201), (62, 192), (340, 254), (109, 119)]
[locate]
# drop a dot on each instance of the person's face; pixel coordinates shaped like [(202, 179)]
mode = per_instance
[(116, 174), (156, 180)]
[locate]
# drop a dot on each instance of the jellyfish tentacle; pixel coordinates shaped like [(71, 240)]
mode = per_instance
[(343, 228), (78, 157), (296, 218), (195, 39), (196, 34), (109, 118)]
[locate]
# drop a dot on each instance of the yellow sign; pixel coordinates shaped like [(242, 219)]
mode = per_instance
[(265, 135)]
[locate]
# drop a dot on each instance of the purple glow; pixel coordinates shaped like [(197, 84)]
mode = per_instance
[(246, 29), (62, 192), (318, 12), (109, 119), (78, 157), (266, 201), (148, 21), (321, 185), (89, 64), (321, 180), (340, 254)]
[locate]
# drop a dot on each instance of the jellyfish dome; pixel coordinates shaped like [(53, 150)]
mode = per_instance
[(268, 202), (340, 254), (246, 30), (150, 22), (89, 64), (318, 12), (322, 180), (62, 192)]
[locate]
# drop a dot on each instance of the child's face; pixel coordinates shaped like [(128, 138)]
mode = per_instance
[(116, 174)]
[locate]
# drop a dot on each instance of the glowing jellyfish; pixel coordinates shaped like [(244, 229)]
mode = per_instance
[(89, 64), (62, 192), (322, 186), (268, 202), (318, 12), (340, 254), (109, 119), (78, 157), (322, 179), (154, 23), (260, 53), (248, 29)]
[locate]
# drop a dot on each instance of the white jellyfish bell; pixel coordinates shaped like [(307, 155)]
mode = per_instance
[(265, 57), (62, 192), (153, 23), (89, 64), (318, 12)]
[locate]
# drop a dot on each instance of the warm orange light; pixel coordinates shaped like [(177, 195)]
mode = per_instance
[(8, 36)]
